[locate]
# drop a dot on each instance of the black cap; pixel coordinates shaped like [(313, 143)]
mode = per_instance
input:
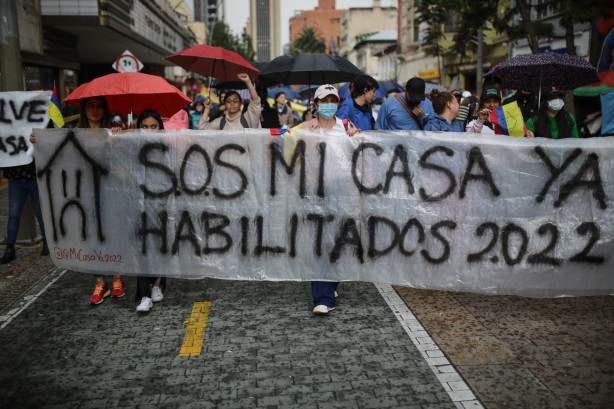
[(490, 93), (416, 87), (551, 93)]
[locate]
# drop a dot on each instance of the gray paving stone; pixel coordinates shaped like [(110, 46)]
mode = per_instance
[(276, 401), (254, 355), (348, 404)]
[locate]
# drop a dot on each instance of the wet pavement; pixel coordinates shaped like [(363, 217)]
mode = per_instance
[(238, 344)]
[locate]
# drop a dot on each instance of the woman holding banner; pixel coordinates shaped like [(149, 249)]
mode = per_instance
[(233, 119), (326, 101), (491, 99), (95, 114), (149, 289), (552, 120), (446, 108)]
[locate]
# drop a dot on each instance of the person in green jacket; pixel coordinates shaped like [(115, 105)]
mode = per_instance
[(552, 120)]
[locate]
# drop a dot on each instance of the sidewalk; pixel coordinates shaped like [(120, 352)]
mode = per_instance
[(262, 347)]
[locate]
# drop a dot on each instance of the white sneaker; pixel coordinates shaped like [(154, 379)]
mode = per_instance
[(322, 309), (145, 305), (156, 294)]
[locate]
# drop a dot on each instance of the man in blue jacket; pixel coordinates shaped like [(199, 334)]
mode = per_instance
[(409, 112), (358, 108)]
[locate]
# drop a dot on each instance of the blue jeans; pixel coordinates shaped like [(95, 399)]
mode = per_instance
[(18, 191)]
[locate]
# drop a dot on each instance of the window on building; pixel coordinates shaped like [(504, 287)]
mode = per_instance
[(416, 34), (547, 8)]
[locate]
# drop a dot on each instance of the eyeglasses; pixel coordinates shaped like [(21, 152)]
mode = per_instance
[(232, 101)]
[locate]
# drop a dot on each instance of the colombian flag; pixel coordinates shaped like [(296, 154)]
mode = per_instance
[(54, 112), (508, 120)]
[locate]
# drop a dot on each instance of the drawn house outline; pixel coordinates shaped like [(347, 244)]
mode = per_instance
[(97, 171)]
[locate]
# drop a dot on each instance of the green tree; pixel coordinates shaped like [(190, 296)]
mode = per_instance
[(222, 37), (308, 41), (580, 12), (246, 47), (434, 13), (474, 15)]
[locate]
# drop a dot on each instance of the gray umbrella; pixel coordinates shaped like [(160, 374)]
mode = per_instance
[(431, 86)]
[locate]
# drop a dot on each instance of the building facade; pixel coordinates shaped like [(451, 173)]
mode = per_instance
[(265, 22), (358, 24), (325, 19), (67, 42), (367, 53), (412, 61)]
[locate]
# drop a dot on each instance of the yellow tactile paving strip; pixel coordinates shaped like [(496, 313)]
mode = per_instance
[(195, 331)]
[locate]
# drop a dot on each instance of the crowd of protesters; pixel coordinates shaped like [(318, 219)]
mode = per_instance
[(544, 113)]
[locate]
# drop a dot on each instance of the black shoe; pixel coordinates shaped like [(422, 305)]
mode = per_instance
[(45, 250), (9, 255)]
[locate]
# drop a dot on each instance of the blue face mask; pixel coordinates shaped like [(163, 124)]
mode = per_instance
[(327, 111)]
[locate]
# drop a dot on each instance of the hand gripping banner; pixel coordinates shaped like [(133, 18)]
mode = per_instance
[(461, 212)]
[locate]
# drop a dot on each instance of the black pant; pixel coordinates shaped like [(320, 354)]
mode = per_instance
[(143, 286)]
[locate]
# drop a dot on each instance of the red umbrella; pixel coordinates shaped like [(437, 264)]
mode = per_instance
[(131, 92), (216, 62)]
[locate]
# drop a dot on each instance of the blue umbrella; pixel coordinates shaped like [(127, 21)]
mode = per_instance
[(385, 86), (290, 93)]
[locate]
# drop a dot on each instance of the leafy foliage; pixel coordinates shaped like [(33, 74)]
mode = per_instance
[(474, 15), (222, 37), (434, 13), (309, 41)]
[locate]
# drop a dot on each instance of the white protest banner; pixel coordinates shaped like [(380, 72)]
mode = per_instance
[(20, 111), (461, 212)]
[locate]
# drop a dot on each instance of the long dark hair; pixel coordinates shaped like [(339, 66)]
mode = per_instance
[(106, 117), (542, 123), (149, 113)]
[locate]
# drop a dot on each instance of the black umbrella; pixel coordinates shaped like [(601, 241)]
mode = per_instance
[(309, 69)]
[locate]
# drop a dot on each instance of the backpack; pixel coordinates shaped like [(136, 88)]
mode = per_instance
[(243, 122)]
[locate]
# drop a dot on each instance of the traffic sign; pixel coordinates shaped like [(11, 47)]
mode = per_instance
[(127, 62)]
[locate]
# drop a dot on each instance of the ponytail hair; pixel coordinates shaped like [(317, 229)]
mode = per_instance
[(440, 100)]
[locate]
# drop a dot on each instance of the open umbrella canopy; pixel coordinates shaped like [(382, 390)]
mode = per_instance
[(534, 71), (318, 68), (216, 62), (290, 93), (604, 86), (131, 92), (429, 86)]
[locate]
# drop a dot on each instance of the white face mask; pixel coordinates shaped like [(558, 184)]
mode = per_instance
[(556, 104)]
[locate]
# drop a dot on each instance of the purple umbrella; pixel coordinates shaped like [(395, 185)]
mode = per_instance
[(531, 72)]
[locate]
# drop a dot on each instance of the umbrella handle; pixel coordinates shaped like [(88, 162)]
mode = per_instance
[(539, 95)]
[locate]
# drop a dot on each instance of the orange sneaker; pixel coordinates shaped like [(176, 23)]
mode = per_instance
[(100, 292), (118, 288)]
